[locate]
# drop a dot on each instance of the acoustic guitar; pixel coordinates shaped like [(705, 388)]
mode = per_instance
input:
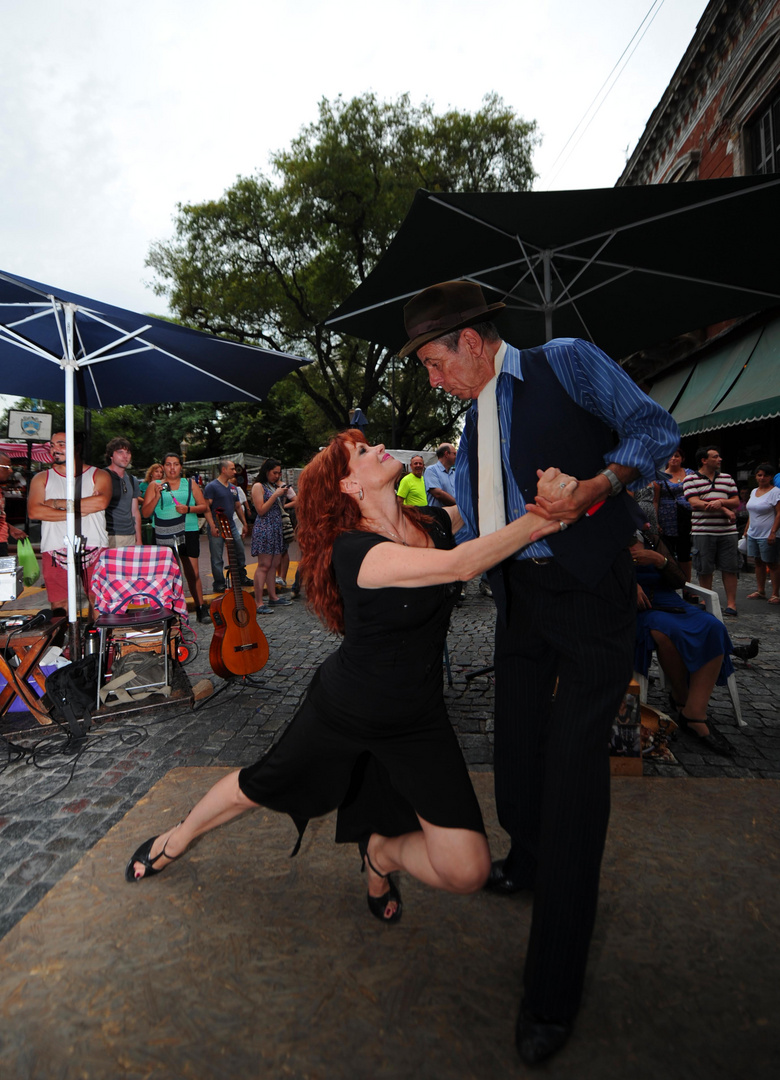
[(238, 646)]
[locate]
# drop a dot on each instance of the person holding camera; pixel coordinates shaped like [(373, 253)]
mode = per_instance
[(174, 504)]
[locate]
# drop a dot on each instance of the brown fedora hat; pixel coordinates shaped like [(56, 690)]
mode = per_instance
[(450, 305)]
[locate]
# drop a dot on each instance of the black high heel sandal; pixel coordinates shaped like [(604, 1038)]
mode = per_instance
[(377, 905), (714, 741), (142, 856)]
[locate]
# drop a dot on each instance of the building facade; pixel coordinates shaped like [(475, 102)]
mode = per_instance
[(719, 117)]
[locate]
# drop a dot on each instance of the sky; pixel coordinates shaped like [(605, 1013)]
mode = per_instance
[(113, 113)]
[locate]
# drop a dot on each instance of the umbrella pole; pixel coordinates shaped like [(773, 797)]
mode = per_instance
[(548, 329), (69, 364)]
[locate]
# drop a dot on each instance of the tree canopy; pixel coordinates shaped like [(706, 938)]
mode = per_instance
[(271, 259), (211, 429)]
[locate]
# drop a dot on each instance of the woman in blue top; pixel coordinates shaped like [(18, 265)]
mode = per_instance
[(174, 504)]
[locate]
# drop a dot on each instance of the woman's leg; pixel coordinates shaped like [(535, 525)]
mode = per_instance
[(760, 579), (672, 665), (194, 579), (456, 860), (690, 690), (774, 573), (270, 577), (190, 576), (700, 687), (261, 577), (284, 565), (223, 802)]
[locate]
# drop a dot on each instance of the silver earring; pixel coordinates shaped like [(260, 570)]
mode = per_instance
[(360, 494)]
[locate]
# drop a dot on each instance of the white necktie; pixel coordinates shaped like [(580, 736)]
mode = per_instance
[(492, 515)]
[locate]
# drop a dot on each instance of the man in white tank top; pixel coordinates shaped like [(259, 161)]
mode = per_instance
[(47, 504)]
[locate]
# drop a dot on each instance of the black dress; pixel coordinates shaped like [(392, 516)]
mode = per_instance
[(372, 736)]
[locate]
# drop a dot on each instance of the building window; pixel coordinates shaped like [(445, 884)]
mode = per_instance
[(763, 134), (685, 168)]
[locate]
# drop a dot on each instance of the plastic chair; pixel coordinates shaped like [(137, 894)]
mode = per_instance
[(150, 579)]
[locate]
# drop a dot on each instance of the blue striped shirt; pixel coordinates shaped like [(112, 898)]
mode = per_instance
[(648, 435)]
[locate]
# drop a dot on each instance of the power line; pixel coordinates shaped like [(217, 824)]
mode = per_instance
[(657, 4)]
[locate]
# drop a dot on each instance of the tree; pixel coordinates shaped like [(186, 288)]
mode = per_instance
[(271, 259), (281, 427)]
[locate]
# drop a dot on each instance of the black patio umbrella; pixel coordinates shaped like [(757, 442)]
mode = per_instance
[(624, 267), (59, 345)]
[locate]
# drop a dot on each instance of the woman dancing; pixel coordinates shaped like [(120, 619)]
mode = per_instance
[(372, 737)]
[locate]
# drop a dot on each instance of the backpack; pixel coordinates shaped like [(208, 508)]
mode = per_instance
[(71, 692)]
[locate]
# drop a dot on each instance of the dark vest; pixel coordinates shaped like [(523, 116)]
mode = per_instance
[(548, 429)]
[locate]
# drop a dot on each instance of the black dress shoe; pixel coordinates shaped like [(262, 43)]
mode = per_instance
[(539, 1039), (502, 883)]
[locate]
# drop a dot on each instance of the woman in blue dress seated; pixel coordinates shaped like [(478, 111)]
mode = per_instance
[(693, 646)]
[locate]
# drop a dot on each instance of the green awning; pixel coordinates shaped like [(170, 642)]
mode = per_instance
[(734, 383), (667, 389)]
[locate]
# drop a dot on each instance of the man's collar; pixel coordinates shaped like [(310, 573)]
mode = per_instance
[(499, 358)]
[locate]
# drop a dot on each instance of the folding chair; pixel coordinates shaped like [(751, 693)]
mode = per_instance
[(149, 578)]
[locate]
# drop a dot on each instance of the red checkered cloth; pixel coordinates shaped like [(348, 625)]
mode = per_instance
[(122, 575)]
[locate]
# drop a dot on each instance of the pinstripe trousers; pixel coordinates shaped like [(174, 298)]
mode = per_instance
[(563, 662)]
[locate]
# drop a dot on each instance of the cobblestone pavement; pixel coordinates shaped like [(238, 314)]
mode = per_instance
[(56, 801)]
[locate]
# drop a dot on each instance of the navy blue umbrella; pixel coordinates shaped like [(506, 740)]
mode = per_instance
[(119, 357), (65, 347)]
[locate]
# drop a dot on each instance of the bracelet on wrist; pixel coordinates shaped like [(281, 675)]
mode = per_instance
[(615, 484)]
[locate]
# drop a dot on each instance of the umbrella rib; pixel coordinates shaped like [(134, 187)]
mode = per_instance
[(88, 361), (530, 269), (371, 307), (209, 374), (591, 261), (626, 268), (475, 277), (100, 354), (27, 285), (669, 214), (471, 217), (28, 346), (148, 346), (98, 395), (45, 310)]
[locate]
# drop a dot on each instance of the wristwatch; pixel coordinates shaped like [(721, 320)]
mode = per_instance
[(615, 484)]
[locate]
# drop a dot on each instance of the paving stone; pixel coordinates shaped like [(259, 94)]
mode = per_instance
[(15, 830), (32, 869)]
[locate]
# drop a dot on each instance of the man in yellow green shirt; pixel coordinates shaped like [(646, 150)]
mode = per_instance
[(411, 490)]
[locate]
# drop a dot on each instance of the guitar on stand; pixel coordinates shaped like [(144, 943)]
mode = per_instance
[(238, 646)]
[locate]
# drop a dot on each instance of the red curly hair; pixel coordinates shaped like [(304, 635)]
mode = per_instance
[(325, 512)]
